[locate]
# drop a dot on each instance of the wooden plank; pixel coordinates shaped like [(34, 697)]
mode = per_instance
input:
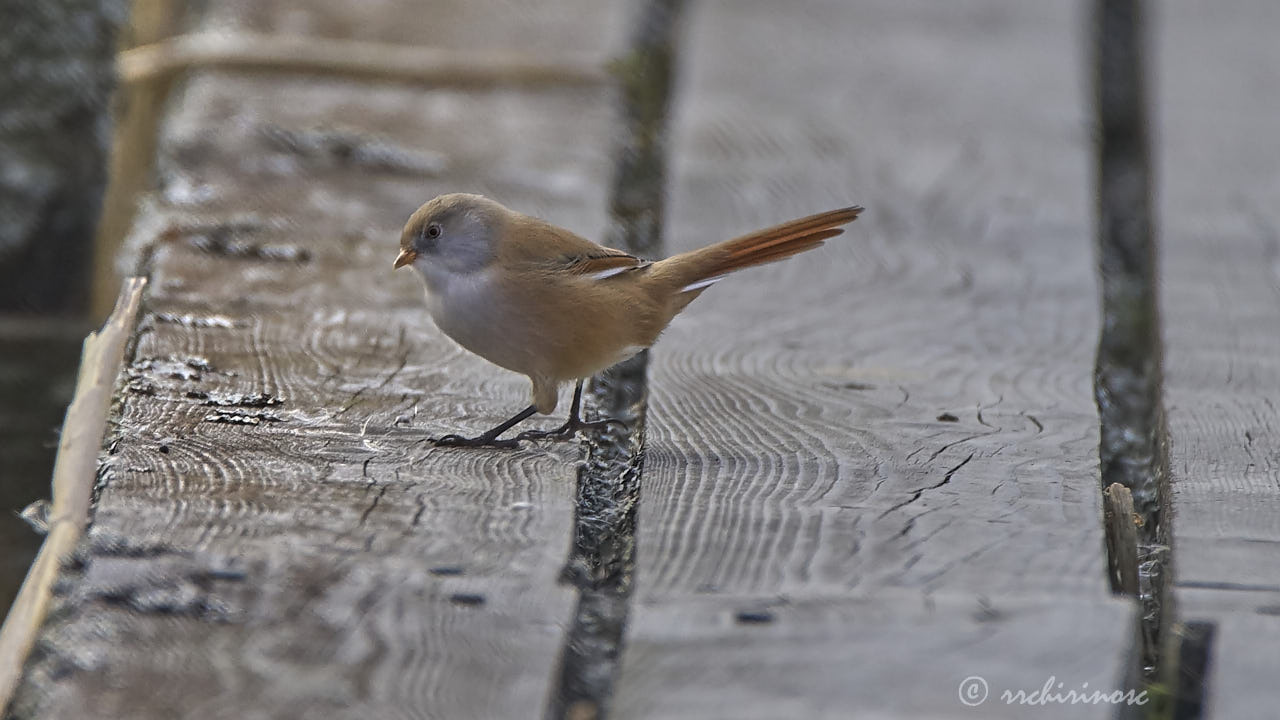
[(1243, 660), (1221, 306), (276, 538), (565, 28), (452, 43), (888, 656), (908, 408)]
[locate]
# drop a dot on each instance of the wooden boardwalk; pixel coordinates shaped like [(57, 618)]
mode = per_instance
[(1221, 310), (869, 480)]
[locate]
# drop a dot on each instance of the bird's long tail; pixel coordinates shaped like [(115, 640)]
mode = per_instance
[(688, 274)]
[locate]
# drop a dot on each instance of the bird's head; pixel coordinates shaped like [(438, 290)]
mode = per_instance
[(455, 234)]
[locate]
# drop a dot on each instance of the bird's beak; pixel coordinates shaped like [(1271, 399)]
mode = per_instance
[(405, 257)]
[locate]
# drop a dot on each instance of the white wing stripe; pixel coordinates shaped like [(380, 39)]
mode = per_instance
[(702, 283), (611, 272)]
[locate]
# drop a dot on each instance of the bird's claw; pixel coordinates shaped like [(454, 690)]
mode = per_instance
[(570, 429), (479, 441), (564, 432)]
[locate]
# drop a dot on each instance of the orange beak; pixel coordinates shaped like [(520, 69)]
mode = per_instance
[(405, 257)]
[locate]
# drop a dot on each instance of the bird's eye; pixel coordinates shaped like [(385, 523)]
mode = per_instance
[(433, 230)]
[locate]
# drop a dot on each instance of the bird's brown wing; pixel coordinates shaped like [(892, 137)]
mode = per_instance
[(601, 263), (536, 243)]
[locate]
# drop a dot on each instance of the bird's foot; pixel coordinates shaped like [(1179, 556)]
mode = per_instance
[(486, 440), (568, 430)]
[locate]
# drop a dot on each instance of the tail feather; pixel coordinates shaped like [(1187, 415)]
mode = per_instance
[(692, 272), (747, 248)]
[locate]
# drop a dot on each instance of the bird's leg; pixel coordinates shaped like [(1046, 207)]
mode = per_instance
[(490, 438), (572, 425)]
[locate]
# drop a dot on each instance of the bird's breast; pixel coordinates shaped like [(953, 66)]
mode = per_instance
[(558, 327), (474, 311)]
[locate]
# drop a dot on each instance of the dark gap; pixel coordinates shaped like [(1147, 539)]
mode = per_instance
[(1128, 374), (38, 360), (603, 556), (54, 156), (1193, 658)]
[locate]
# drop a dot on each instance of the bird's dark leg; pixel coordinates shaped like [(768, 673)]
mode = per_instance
[(490, 438), (572, 425)]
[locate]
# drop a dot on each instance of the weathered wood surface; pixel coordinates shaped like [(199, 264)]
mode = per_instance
[(891, 655), (1221, 305), (871, 471), (904, 416), (274, 537)]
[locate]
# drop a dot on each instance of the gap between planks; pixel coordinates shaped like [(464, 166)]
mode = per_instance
[(1128, 375), (609, 481)]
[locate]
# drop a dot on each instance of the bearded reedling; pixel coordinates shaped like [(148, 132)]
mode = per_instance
[(541, 301)]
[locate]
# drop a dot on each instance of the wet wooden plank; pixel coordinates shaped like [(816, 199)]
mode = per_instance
[(907, 409), (1221, 306), (275, 537)]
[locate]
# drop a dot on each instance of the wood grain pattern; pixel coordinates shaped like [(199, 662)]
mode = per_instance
[(1221, 306), (980, 304), (908, 408), (820, 656), (275, 537)]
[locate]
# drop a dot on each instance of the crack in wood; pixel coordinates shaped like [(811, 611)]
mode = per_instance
[(421, 501), (920, 492), (961, 441), (373, 505), (982, 407), (1217, 585)]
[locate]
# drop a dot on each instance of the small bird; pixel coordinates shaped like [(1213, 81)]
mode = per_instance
[(541, 301)]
